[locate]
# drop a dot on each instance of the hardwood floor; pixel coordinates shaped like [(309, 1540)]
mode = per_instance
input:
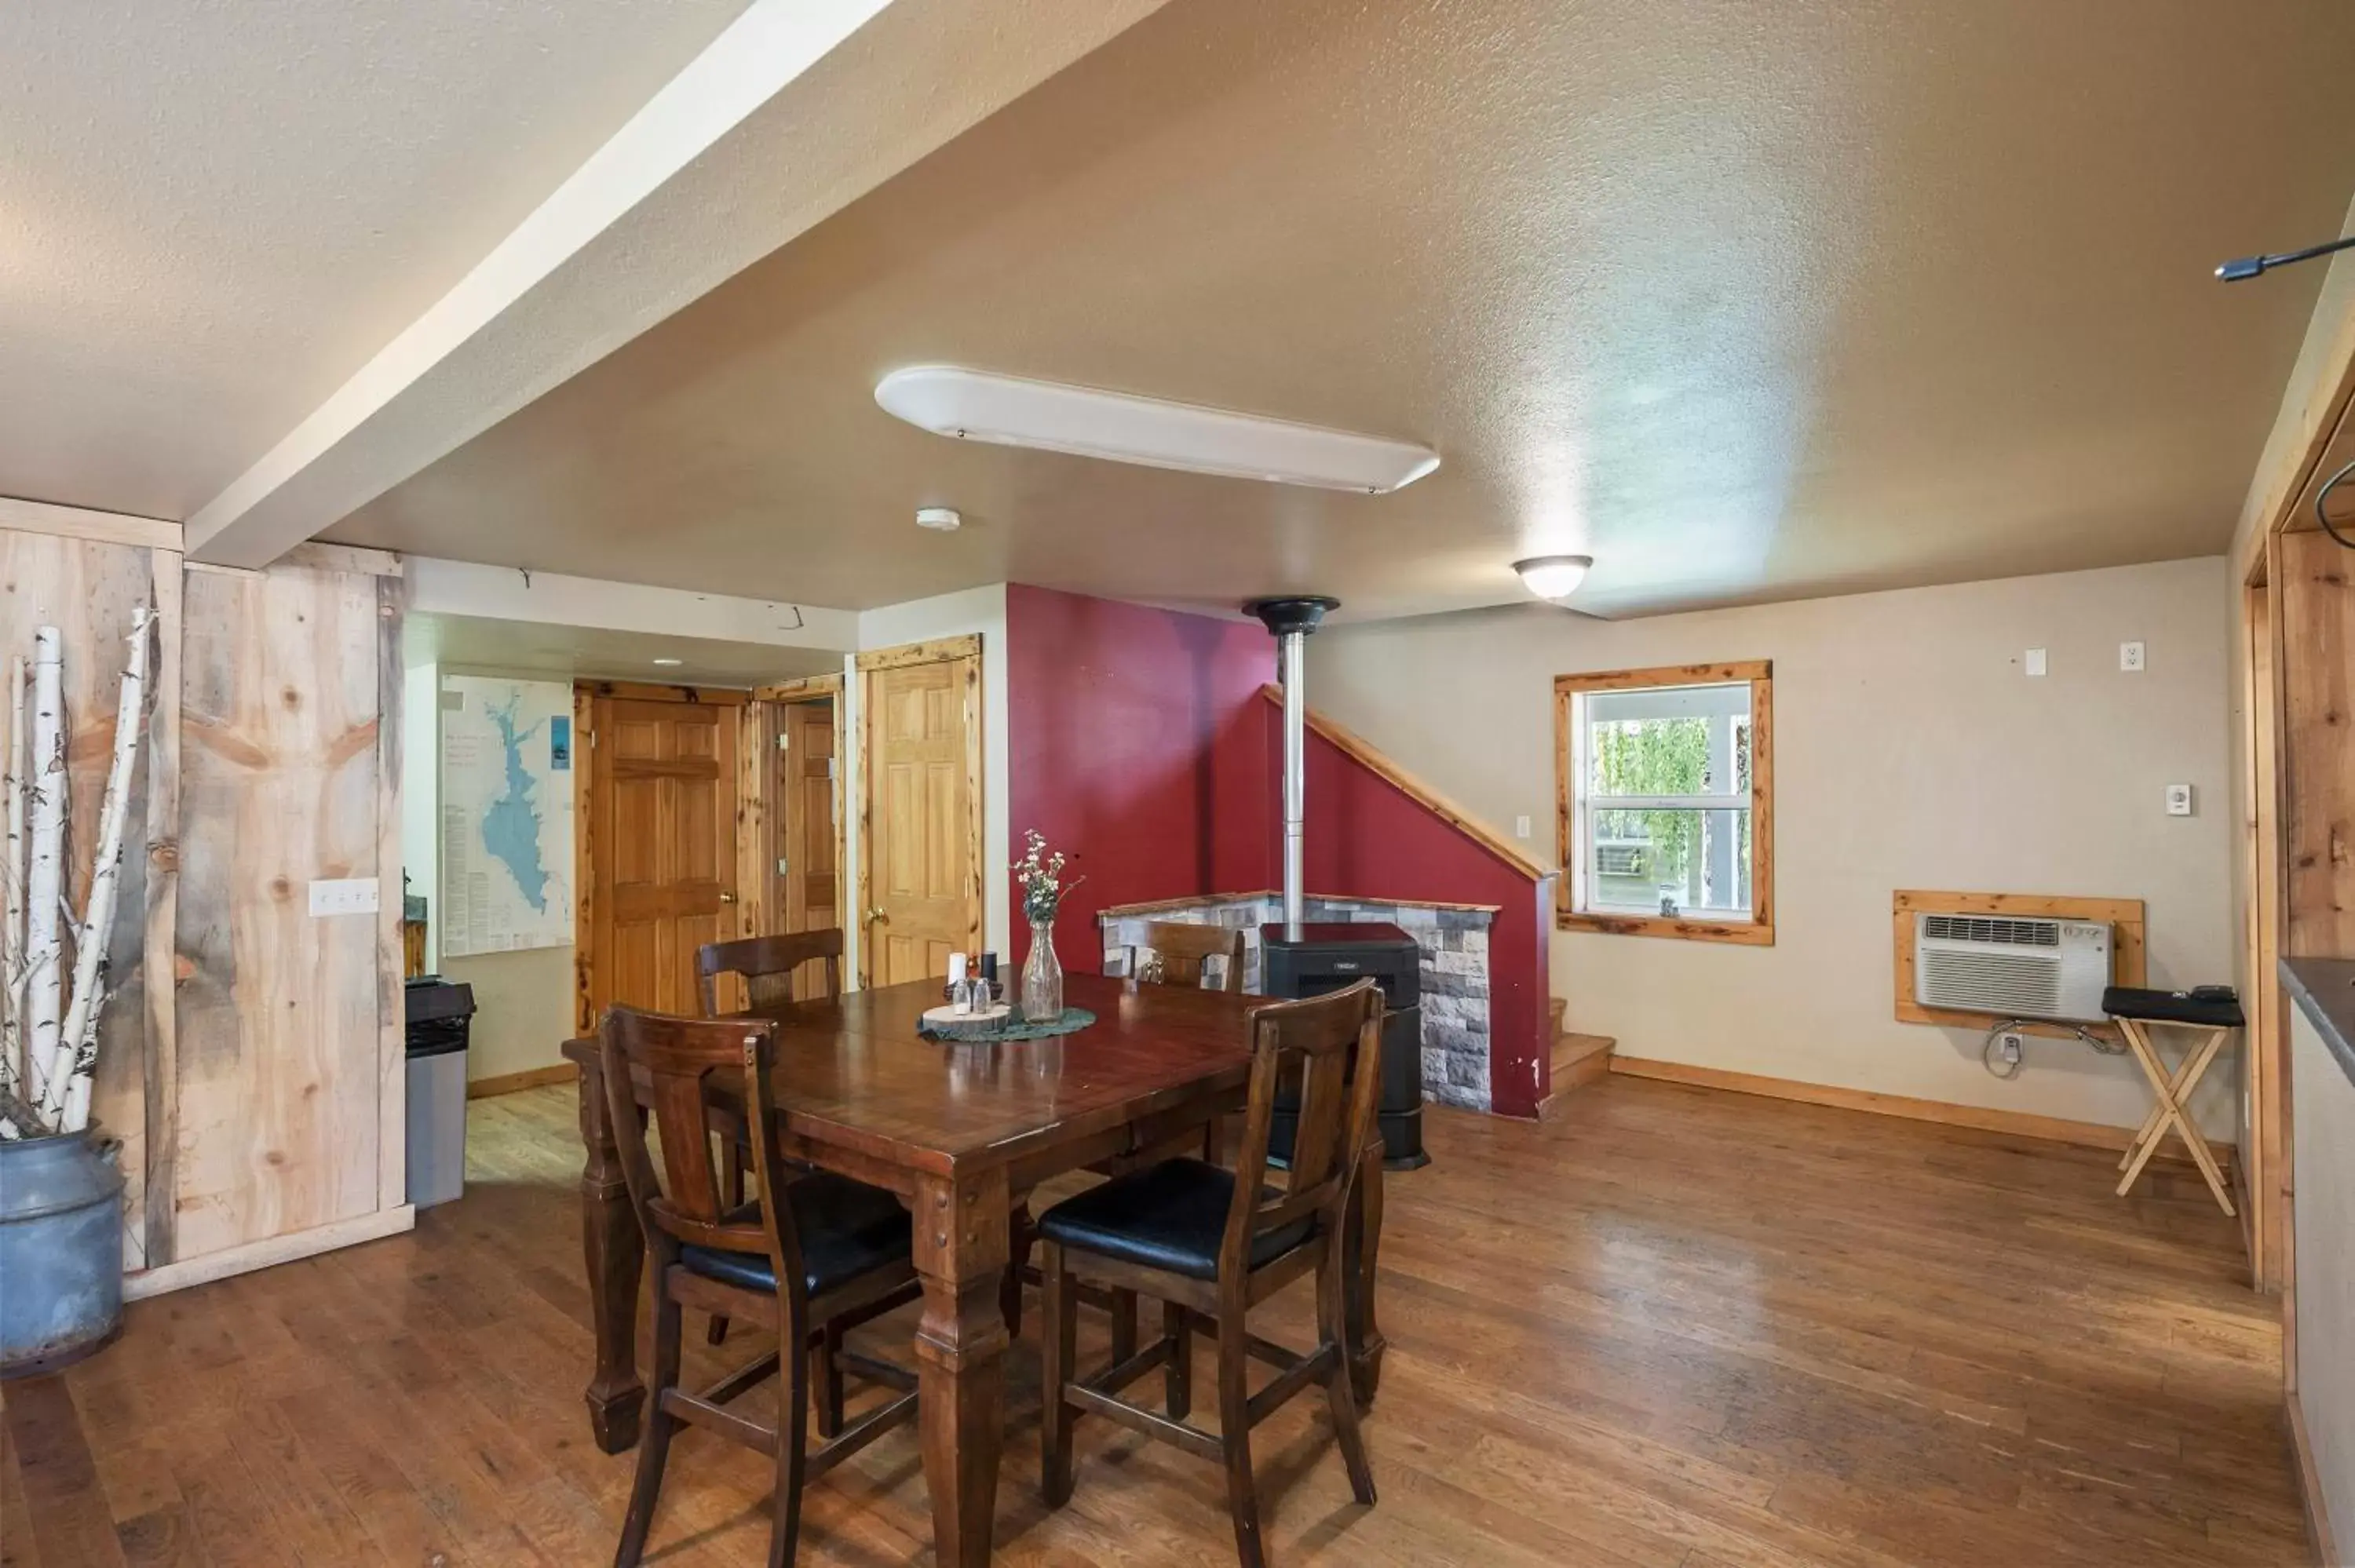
[(1668, 1327)]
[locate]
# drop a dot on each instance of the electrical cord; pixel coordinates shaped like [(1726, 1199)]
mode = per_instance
[(2323, 517), (2004, 1026)]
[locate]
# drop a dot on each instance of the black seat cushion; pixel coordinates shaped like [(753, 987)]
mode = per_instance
[(847, 1229), (2170, 1007), (1171, 1217)]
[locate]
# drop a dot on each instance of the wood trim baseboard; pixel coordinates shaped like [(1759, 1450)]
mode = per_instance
[(939, 649), (654, 691), (2310, 1485), (247, 1257), (1738, 933), (1667, 675), (807, 689), (319, 556), (2021, 1124), (1362, 752), (529, 1078), (81, 523)]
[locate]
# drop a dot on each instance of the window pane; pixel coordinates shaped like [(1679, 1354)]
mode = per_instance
[(1696, 861), (1676, 740)]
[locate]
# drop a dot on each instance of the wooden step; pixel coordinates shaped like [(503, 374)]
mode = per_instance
[(1581, 1059), (1577, 1058)]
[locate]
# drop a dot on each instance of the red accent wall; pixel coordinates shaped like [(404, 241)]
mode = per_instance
[(1134, 744), (1370, 838), (1138, 742)]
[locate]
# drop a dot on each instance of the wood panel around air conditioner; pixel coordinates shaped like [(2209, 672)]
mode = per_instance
[(2123, 917)]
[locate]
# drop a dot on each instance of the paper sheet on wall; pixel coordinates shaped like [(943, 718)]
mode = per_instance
[(507, 815)]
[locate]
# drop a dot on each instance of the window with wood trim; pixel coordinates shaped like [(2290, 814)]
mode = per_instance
[(1664, 801)]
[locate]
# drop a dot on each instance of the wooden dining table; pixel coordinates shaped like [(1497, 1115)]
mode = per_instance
[(960, 1133)]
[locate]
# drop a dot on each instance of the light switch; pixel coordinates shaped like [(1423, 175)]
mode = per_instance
[(2035, 661), (2130, 656), (346, 896), (2178, 799)]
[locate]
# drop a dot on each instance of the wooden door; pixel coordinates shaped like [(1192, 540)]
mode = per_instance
[(659, 838), (919, 776), (809, 842)]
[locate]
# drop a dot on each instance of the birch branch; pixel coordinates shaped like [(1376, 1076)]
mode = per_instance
[(90, 986), (45, 1045), (12, 891)]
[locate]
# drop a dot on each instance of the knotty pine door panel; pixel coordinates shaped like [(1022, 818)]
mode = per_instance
[(662, 847), (923, 817)]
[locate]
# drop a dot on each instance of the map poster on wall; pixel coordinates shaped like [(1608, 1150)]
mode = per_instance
[(506, 814)]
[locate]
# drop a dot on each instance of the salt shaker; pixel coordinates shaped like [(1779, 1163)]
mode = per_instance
[(960, 990)]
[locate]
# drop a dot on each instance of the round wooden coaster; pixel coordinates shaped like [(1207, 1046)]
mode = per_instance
[(947, 1020)]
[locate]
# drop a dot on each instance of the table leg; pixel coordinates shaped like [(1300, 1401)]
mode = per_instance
[(1361, 1247), (961, 1256), (616, 1255)]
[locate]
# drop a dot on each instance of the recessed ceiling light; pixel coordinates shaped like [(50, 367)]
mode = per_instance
[(1553, 577), (973, 405), (670, 663), (940, 519)]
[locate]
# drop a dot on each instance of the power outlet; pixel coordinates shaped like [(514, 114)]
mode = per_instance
[(2010, 1047), (346, 896), (2130, 657), (2178, 799)]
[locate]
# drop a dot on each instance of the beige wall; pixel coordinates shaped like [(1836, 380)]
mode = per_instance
[(523, 1001), (1910, 751), (2324, 1155), (523, 1008)]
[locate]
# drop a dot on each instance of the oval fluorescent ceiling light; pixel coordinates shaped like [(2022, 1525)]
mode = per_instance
[(973, 405)]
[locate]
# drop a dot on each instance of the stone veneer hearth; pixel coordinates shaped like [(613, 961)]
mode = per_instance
[(1455, 942)]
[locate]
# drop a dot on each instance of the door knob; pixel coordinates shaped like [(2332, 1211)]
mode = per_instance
[(877, 916), (727, 899)]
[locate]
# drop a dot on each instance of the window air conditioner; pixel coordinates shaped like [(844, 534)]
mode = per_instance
[(2010, 967)]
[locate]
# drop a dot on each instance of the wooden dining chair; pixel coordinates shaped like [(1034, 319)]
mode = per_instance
[(1211, 1244), (1176, 952), (811, 1252), (768, 965)]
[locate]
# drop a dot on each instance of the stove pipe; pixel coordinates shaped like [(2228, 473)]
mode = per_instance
[(1290, 620)]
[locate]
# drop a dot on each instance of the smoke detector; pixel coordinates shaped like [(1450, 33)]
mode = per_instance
[(940, 519)]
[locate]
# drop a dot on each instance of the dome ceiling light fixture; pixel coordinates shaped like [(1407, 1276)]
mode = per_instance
[(1553, 577), (1083, 421)]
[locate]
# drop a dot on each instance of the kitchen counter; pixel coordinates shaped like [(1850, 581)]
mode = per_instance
[(2324, 990)]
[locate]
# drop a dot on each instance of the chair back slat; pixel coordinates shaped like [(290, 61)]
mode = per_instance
[(1329, 1049), (1178, 952), (768, 965), (680, 1058)]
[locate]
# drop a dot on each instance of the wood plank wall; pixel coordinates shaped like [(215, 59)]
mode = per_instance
[(259, 1096), (2317, 598), (88, 590)]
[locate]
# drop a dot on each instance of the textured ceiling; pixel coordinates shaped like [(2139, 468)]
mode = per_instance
[(212, 215), (1750, 302)]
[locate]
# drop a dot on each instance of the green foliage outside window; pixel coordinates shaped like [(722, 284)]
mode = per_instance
[(1653, 756)]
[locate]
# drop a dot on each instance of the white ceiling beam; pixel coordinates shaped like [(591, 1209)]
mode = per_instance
[(798, 109), (551, 599)]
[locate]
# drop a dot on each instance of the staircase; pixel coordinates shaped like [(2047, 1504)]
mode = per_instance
[(1577, 1058)]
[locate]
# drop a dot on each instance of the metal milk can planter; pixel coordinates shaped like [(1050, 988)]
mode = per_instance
[(61, 1250)]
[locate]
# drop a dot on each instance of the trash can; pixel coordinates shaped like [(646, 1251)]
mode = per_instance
[(440, 1014)]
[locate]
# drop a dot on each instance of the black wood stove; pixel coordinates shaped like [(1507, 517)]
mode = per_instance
[(1298, 959)]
